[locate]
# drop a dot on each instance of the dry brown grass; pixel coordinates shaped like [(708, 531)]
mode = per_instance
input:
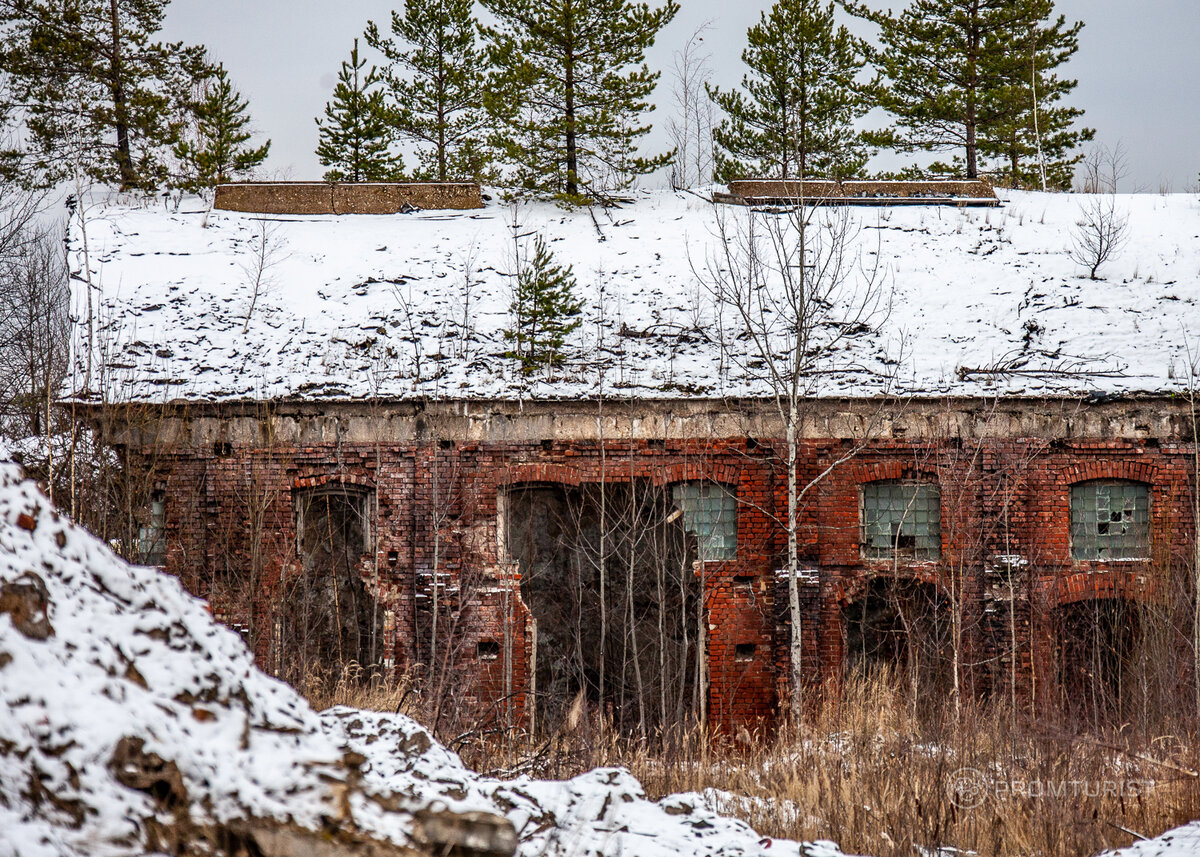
[(875, 775), (357, 688)]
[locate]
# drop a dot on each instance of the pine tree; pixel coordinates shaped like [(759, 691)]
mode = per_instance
[(1035, 145), (568, 90), (355, 138), (434, 79), (215, 151), (794, 114), (544, 310), (949, 66), (97, 93)]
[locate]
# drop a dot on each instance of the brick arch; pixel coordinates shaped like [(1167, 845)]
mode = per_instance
[(1098, 585), (886, 471), (697, 471), (318, 480), (556, 474), (1133, 471), (846, 592)]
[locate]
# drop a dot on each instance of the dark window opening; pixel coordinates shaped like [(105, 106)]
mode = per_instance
[(1097, 647), (488, 650), (744, 652), (613, 557), (901, 627), (329, 620)]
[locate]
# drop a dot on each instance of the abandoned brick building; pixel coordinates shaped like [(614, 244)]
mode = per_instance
[(997, 469)]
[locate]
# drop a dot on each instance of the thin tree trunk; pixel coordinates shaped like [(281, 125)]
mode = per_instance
[(569, 85), (1195, 540), (797, 645), (120, 105), (972, 93)]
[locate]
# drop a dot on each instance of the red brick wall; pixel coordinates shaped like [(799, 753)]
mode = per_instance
[(1005, 497)]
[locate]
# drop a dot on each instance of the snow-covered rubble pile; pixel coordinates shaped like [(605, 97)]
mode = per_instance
[(130, 722), (1181, 842), (972, 301)]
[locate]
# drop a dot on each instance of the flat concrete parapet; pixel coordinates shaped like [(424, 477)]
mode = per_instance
[(964, 192), (346, 197)]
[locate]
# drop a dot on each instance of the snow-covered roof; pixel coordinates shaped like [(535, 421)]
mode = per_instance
[(361, 306)]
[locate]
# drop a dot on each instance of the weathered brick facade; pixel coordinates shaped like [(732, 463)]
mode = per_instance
[(231, 473)]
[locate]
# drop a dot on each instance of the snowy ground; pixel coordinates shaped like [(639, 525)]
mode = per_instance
[(128, 716), (355, 306)]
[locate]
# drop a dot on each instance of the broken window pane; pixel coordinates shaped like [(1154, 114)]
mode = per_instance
[(901, 519), (1110, 519), (710, 514), (152, 536)]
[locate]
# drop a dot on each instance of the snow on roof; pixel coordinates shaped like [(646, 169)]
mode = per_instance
[(358, 306), (127, 712)]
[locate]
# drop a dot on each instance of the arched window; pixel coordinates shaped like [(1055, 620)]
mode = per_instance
[(1110, 519), (901, 519), (710, 513)]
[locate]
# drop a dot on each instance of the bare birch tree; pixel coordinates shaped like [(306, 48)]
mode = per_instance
[(798, 290), (691, 127), (266, 251)]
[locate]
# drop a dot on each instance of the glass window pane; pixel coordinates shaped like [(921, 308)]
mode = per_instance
[(709, 513), (901, 518), (1110, 519)]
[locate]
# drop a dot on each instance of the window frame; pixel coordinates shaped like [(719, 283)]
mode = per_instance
[(872, 553), (1138, 549), (353, 492), (707, 549)]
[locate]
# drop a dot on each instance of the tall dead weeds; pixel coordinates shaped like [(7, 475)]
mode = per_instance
[(877, 773)]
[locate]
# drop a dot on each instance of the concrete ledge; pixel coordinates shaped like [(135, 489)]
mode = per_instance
[(346, 197), (1116, 426)]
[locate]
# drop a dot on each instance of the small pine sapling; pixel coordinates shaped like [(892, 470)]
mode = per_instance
[(355, 138), (544, 310), (215, 150)]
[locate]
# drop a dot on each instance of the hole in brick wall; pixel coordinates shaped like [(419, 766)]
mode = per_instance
[(744, 651), (557, 534), (751, 443), (656, 443), (222, 449), (743, 583), (547, 444), (488, 650), (327, 617), (445, 444), (1100, 662), (901, 626), (393, 557)]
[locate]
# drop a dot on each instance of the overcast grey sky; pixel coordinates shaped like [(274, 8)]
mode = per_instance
[(1138, 68)]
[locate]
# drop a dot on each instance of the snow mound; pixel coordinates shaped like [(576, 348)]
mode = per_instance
[(1181, 842), (131, 722)]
